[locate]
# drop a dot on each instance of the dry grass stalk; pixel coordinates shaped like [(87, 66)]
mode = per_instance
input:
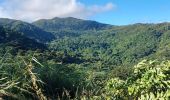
[(35, 87)]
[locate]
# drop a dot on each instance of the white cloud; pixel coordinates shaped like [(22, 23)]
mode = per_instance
[(31, 10)]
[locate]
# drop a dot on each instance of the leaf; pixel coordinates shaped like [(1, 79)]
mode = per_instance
[(34, 59)]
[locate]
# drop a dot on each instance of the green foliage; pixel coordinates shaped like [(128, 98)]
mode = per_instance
[(150, 80), (15, 79), (124, 45)]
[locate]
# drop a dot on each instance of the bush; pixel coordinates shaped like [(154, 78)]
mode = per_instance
[(150, 80)]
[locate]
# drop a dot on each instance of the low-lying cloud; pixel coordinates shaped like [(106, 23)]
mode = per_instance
[(30, 10)]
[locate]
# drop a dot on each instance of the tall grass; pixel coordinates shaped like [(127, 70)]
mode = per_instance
[(17, 79)]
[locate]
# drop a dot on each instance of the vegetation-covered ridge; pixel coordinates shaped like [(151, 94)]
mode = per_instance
[(17, 41), (27, 29), (69, 23)]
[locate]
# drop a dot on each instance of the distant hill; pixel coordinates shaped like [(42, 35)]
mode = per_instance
[(69, 26), (69, 23), (27, 30), (10, 38)]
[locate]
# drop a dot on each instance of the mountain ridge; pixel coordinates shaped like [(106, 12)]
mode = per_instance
[(69, 23), (27, 29)]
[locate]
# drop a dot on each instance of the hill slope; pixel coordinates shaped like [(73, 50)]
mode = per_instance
[(61, 27), (27, 30), (10, 38), (121, 45), (69, 23)]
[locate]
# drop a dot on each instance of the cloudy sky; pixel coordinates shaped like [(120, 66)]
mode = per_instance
[(118, 12)]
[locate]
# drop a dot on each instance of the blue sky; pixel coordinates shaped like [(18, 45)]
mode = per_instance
[(133, 11), (116, 12)]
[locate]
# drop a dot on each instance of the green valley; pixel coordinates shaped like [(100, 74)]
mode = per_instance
[(69, 58)]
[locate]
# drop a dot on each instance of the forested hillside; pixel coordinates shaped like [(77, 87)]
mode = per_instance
[(69, 23), (121, 45), (27, 29), (69, 58), (71, 27), (16, 41)]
